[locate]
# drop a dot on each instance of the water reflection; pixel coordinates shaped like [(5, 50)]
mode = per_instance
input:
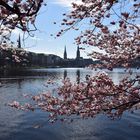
[(78, 76), (65, 74), (19, 82), (18, 125)]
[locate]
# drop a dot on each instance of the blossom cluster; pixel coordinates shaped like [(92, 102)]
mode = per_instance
[(111, 28), (19, 13), (12, 55), (97, 94), (108, 26)]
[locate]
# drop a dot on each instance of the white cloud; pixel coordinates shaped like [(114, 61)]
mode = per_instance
[(18, 32), (66, 3), (36, 38)]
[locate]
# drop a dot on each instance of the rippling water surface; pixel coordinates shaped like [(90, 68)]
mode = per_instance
[(18, 125)]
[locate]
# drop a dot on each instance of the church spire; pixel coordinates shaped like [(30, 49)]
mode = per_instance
[(19, 42), (65, 53), (78, 53)]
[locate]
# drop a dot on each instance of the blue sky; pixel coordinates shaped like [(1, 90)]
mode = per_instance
[(43, 42)]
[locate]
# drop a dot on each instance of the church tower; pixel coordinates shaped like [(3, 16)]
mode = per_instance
[(19, 42), (78, 53), (65, 53)]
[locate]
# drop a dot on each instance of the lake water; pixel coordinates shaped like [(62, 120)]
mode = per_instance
[(19, 125)]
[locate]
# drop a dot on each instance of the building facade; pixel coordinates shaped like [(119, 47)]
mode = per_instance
[(77, 62)]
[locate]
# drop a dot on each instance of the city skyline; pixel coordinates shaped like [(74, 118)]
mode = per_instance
[(44, 40)]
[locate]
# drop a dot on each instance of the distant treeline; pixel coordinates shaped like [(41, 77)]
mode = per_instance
[(20, 58)]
